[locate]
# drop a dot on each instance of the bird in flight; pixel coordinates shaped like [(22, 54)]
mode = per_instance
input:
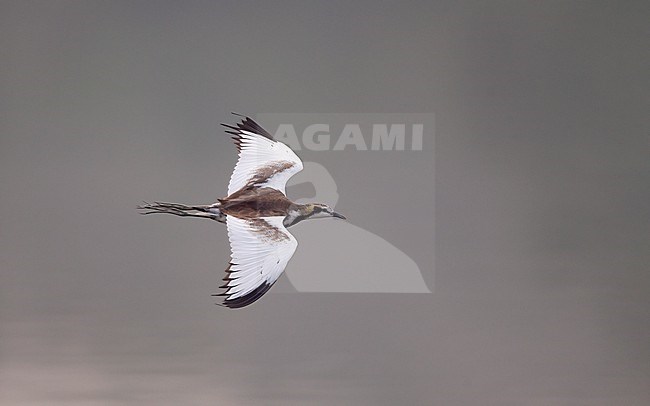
[(256, 212)]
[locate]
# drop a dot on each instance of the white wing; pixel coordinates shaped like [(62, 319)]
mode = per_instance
[(262, 160), (261, 248)]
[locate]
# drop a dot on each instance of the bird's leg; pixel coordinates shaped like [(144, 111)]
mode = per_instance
[(199, 211)]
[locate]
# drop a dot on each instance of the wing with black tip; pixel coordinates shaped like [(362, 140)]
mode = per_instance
[(261, 248), (262, 160)]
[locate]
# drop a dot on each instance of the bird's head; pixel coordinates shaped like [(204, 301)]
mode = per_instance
[(319, 210), (300, 212)]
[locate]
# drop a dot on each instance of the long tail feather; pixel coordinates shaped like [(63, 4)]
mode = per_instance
[(201, 211)]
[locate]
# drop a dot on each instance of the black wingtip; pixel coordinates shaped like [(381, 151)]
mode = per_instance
[(248, 298), (247, 124), (232, 127)]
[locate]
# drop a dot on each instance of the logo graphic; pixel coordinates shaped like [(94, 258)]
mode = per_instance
[(381, 163)]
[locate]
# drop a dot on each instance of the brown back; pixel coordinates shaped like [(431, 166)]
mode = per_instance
[(253, 202)]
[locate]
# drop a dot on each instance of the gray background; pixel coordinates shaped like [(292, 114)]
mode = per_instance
[(541, 208)]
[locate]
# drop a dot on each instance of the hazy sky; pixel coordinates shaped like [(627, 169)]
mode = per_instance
[(541, 185)]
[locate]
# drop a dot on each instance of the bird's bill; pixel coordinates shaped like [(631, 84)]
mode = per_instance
[(338, 215)]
